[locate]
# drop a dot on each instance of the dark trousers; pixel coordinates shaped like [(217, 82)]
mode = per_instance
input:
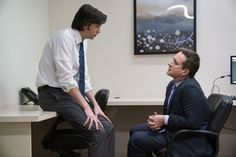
[(101, 142), (143, 141)]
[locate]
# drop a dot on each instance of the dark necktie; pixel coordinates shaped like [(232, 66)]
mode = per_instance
[(81, 81), (170, 96)]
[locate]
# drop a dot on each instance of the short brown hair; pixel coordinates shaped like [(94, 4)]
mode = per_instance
[(86, 16), (192, 61)]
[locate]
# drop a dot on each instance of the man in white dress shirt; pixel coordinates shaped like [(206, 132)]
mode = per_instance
[(59, 89)]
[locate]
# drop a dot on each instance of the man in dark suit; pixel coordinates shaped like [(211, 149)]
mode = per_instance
[(184, 108)]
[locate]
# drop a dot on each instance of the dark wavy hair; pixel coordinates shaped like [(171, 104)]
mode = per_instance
[(86, 16), (192, 62)]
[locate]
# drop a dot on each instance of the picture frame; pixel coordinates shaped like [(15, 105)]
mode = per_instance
[(164, 26)]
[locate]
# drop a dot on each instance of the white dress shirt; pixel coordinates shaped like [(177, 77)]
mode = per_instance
[(60, 61)]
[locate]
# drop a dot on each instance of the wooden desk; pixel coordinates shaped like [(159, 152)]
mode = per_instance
[(139, 102), (16, 129)]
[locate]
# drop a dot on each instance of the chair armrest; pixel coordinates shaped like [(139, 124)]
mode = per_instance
[(193, 132), (189, 133)]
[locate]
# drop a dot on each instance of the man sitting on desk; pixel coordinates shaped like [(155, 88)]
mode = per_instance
[(184, 108), (64, 84)]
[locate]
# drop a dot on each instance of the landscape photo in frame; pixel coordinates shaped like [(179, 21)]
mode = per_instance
[(163, 26)]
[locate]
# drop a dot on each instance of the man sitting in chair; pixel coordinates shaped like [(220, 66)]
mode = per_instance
[(185, 107)]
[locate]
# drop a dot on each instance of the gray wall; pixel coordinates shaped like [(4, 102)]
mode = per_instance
[(113, 65), (26, 25), (23, 32)]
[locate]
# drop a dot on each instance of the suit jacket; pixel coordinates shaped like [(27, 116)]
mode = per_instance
[(188, 110)]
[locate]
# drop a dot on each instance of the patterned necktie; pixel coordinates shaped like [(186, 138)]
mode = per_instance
[(81, 81), (170, 96)]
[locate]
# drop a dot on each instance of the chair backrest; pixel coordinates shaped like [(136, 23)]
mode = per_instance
[(102, 97), (220, 107)]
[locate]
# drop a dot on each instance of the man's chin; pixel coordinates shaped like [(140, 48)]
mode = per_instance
[(93, 37), (168, 73)]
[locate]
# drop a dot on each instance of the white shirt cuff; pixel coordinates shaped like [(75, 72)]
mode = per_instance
[(166, 118)]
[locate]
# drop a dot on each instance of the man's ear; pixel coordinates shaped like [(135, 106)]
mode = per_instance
[(86, 27), (185, 72)]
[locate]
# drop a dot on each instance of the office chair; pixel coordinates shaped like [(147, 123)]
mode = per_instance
[(102, 97), (67, 141), (220, 107)]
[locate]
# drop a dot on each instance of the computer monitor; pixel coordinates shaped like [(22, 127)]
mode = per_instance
[(233, 69)]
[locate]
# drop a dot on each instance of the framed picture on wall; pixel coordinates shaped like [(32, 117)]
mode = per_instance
[(163, 26)]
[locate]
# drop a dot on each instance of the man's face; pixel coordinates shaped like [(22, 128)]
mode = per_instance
[(175, 69), (92, 30)]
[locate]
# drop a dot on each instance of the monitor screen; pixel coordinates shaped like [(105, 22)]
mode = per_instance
[(233, 69)]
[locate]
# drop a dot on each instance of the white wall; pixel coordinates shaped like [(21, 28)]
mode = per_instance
[(112, 63), (216, 33), (23, 32)]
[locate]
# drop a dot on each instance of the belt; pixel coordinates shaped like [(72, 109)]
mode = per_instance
[(43, 88), (46, 87)]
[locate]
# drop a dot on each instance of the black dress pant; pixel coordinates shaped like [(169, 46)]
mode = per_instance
[(143, 141), (101, 141)]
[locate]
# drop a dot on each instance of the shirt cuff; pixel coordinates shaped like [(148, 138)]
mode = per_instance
[(166, 118)]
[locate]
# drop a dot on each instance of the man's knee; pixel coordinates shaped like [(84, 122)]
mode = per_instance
[(136, 139)]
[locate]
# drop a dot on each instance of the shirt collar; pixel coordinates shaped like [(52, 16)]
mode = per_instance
[(178, 83), (77, 35)]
